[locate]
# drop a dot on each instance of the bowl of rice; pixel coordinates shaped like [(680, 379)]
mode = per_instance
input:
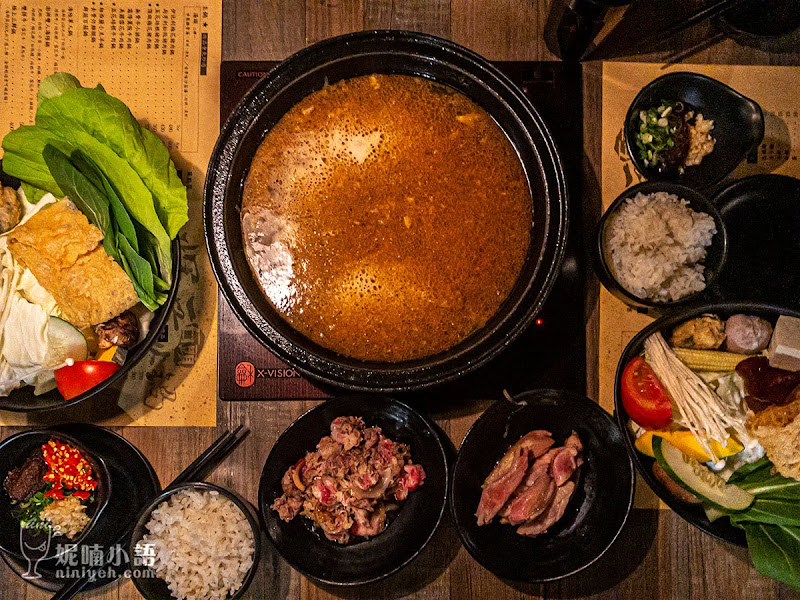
[(660, 245), (197, 541)]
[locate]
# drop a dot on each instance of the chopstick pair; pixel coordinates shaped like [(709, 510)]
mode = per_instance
[(199, 469), (703, 14)]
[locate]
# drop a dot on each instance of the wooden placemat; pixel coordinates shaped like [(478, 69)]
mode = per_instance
[(774, 88), (162, 59)]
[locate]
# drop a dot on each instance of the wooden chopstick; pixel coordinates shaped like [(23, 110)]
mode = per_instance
[(198, 470)]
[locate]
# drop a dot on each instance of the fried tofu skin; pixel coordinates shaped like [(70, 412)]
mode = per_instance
[(65, 254)]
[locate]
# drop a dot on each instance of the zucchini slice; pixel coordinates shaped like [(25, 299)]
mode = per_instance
[(689, 473)]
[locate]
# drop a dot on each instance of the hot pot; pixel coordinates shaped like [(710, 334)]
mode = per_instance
[(391, 52)]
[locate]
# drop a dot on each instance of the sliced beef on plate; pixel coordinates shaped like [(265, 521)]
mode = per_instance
[(24, 481), (509, 473), (553, 513)]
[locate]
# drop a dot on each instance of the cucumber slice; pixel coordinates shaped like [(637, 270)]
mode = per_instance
[(64, 341), (690, 474)]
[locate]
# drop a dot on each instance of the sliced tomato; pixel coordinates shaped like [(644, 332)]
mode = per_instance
[(644, 397), (83, 375)]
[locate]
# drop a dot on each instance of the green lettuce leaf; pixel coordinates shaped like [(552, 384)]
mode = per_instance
[(110, 122), (55, 85), (22, 156), (32, 193)]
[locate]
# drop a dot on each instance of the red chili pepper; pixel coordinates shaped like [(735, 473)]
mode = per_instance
[(68, 469)]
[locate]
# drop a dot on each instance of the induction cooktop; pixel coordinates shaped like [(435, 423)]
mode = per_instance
[(551, 353)]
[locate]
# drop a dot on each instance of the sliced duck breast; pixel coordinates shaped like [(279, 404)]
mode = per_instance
[(509, 473), (553, 513)]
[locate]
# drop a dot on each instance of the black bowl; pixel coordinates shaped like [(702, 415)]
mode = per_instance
[(715, 256), (356, 563), (738, 125), (762, 221), (694, 514), (23, 399), (596, 512), (13, 452), (144, 578), (362, 54), (759, 20)]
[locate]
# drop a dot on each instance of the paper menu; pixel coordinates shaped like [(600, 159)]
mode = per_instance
[(162, 59)]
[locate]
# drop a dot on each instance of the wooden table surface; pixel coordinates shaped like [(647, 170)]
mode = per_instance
[(658, 554)]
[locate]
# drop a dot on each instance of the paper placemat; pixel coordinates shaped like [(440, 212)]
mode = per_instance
[(162, 59), (774, 88)]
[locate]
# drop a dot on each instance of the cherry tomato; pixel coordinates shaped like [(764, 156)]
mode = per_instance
[(82, 376), (644, 397)]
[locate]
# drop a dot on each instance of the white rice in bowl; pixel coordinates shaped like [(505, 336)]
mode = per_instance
[(203, 545), (654, 245)]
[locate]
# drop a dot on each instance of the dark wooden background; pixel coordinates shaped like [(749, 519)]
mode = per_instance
[(658, 555)]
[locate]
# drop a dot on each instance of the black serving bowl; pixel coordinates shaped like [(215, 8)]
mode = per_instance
[(408, 531), (596, 512), (714, 262), (25, 401), (762, 222), (355, 55), (144, 578), (738, 125), (13, 452), (721, 528)]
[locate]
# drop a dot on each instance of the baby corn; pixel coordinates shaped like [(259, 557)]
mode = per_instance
[(708, 360)]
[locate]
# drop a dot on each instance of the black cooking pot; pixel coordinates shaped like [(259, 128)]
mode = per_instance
[(354, 55)]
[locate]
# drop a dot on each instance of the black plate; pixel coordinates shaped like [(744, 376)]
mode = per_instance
[(134, 483), (720, 528), (154, 588), (409, 531), (762, 216), (596, 512), (738, 125), (714, 262), (349, 56), (14, 451)]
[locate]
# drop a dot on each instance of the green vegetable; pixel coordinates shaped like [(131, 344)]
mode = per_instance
[(32, 193), (657, 127), (110, 122), (775, 550), (55, 85), (772, 522), (123, 220), (97, 208), (27, 513), (89, 200), (120, 174)]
